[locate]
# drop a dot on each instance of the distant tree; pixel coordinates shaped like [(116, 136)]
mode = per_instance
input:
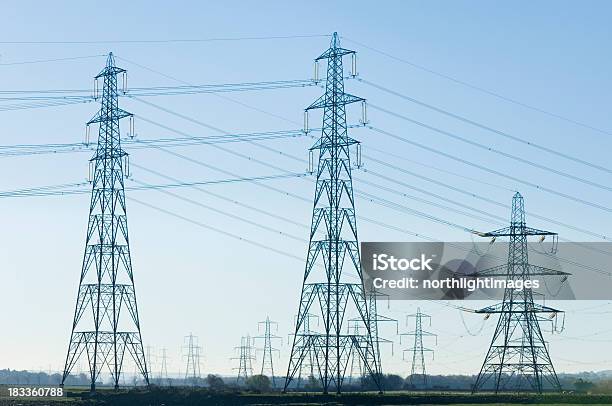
[(393, 382), (259, 383), (582, 385), (367, 382), (215, 382), (387, 381), (312, 383), (604, 386)]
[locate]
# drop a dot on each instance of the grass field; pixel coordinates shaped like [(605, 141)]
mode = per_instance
[(189, 396)]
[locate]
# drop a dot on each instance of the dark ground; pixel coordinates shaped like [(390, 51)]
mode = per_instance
[(189, 397)]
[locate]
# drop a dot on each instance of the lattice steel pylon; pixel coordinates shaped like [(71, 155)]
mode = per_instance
[(418, 373), (356, 364), (308, 361), (267, 361), (106, 284), (333, 238), (192, 370), (518, 357), (164, 379), (245, 359)]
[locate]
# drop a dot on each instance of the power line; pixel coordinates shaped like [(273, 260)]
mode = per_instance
[(216, 229), (163, 41), (223, 213), (234, 201), (372, 199), (477, 196), (72, 188), (240, 155), (51, 60), (75, 95), (493, 171), (218, 95), (496, 219), (438, 169), (485, 127), (491, 149), (136, 143), (217, 129), (481, 89)]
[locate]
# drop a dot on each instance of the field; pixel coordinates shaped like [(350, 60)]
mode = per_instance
[(188, 396)]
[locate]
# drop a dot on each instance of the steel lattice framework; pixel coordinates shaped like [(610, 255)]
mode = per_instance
[(106, 285), (245, 359), (308, 362), (518, 358), (333, 243), (418, 373), (267, 361), (192, 370)]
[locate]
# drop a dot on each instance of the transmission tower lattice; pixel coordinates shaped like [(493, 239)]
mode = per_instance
[(148, 356), (518, 357), (106, 284), (418, 373), (267, 363), (192, 370), (307, 366), (164, 379), (245, 359), (332, 240), (356, 365)]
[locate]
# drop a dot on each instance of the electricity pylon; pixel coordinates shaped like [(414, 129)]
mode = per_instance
[(332, 239), (106, 284), (163, 371), (418, 373), (356, 364), (267, 363), (192, 370), (150, 363), (375, 318), (245, 359), (308, 361), (518, 354)]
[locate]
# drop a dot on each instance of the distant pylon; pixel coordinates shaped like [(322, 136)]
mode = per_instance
[(192, 370), (150, 363), (332, 240), (267, 363), (163, 371), (245, 359), (518, 357), (418, 373), (106, 283), (356, 364), (307, 367)]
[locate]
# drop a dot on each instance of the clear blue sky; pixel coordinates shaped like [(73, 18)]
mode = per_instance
[(550, 54)]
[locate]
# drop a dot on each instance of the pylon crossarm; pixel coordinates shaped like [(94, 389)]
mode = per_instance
[(102, 117), (339, 100), (324, 144), (536, 270), (515, 231), (499, 308), (334, 52), (533, 270)]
